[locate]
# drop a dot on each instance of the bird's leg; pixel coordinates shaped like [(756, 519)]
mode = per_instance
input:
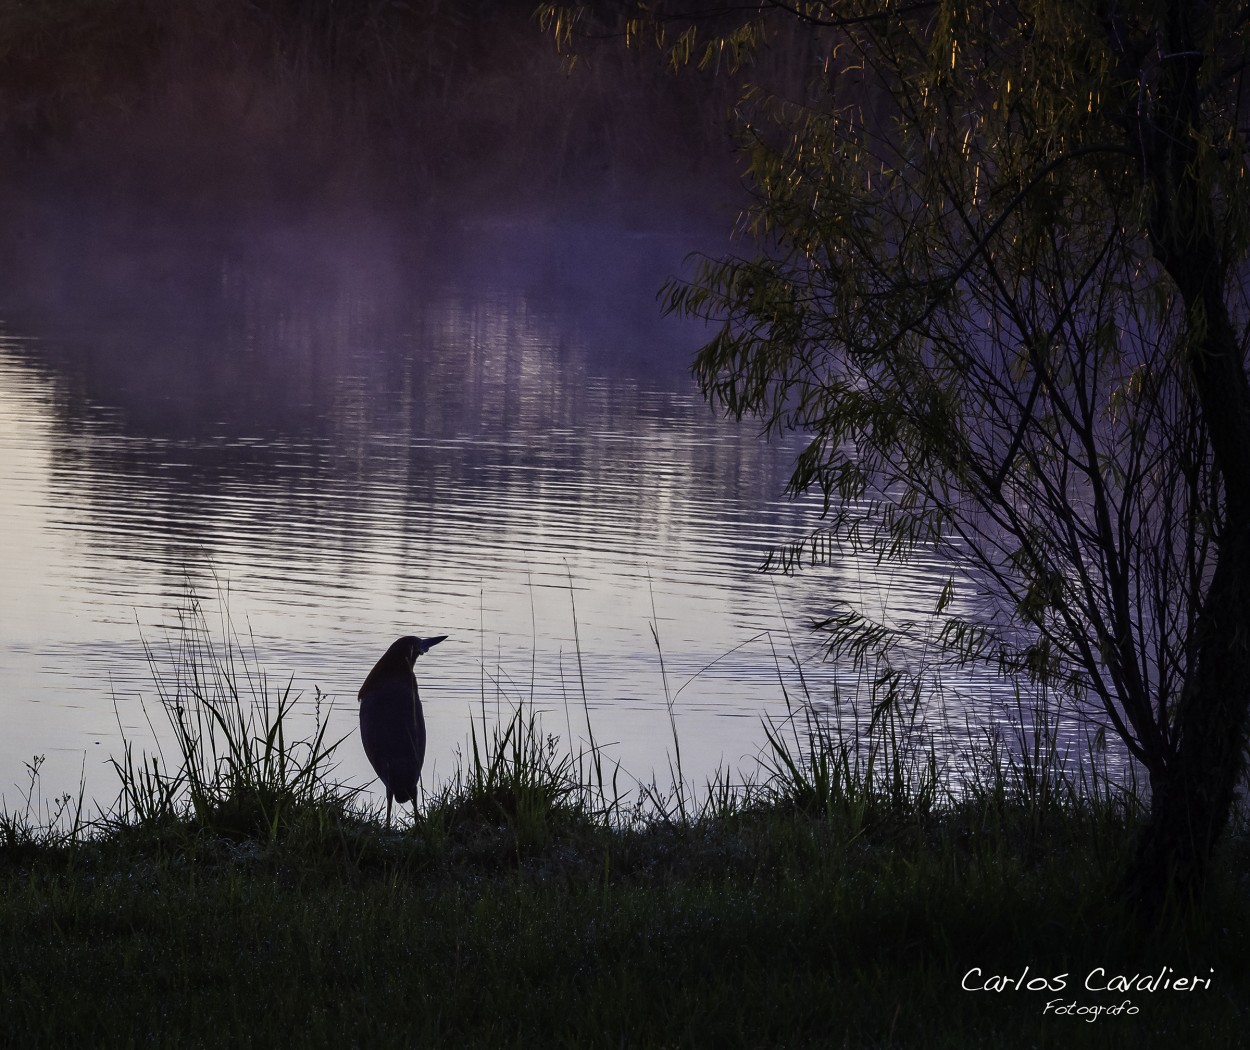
[(389, 799)]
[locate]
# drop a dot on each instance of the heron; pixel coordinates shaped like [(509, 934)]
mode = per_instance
[(392, 727)]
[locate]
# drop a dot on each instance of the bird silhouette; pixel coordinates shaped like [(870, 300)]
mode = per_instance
[(392, 727)]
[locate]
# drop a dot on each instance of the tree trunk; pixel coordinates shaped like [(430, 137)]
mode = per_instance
[(1192, 796)]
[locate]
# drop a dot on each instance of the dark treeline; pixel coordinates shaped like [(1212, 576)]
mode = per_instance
[(461, 104)]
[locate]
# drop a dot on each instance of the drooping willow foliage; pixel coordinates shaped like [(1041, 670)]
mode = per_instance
[(999, 286)]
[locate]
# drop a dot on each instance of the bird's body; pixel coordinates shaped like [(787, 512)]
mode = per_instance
[(392, 726)]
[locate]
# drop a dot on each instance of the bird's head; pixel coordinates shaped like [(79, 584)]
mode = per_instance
[(396, 663), (410, 647)]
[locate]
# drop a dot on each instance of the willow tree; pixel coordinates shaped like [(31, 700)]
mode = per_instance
[(999, 284)]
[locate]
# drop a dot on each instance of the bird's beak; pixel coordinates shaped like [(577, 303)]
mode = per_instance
[(426, 644)]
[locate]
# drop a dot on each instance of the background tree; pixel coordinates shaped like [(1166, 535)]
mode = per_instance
[(1000, 288)]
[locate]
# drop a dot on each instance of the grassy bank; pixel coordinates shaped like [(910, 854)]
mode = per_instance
[(769, 928), (239, 897)]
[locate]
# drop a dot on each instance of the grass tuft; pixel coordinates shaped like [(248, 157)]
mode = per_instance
[(238, 771), (39, 826), (515, 779)]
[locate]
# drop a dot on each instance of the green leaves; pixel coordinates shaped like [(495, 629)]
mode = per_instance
[(954, 298)]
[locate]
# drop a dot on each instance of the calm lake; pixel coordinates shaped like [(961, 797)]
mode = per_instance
[(343, 429)]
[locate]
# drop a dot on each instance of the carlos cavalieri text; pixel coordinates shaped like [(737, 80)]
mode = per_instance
[(1097, 980)]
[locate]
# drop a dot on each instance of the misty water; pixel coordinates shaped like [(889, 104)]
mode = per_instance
[(343, 429)]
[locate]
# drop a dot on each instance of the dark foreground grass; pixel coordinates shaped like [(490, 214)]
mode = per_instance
[(236, 896), (770, 928)]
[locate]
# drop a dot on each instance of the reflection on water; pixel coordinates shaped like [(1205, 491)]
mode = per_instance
[(373, 427)]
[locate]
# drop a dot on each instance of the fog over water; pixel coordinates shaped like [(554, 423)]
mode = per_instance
[(346, 427)]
